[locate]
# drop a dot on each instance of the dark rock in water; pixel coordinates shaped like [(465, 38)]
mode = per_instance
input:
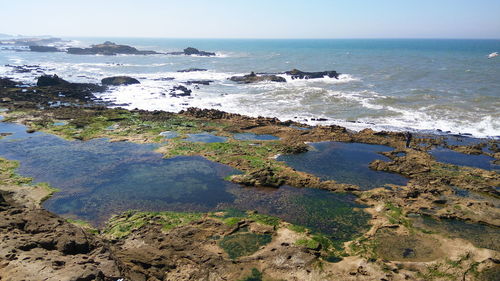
[(192, 70), (184, 92), (7, 83), (253, 78), (109, 49), (164, 79), (25, 68), (193, 51), (50, 80), (119, 80), (43, 49), (200, 82), (297, 74)]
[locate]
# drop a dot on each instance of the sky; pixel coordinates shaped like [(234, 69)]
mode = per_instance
[(253, 18)]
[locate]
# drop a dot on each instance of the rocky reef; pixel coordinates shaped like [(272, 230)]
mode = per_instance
[(245, 245)]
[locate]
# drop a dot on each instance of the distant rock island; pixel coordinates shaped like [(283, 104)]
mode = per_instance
[(193, 51), (109, 48), (26, 41)]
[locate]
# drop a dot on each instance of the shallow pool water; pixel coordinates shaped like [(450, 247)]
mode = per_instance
[(98, 178), (205, 137), (480, 235), (345, 163), (334, 214), (169, 134), (460, 192), (456, 158), (463, 140), (254, 137)]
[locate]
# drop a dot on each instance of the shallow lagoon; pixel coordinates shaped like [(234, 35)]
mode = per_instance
[(344, 163), (99, 178)]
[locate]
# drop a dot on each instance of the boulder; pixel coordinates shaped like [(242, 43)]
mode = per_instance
[(297, 74), (51, 80), (253, 78), (119, 80)]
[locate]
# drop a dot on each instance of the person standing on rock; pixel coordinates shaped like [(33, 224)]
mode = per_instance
[(408, 137)]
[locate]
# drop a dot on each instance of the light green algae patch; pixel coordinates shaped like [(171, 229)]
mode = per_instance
[(122, 225)]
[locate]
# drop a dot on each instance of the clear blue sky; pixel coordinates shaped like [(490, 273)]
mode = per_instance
[(253, 18)]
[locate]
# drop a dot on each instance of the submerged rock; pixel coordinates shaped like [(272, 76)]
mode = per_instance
[(119, 80), (192, 70), (253, 78), (297, 74)]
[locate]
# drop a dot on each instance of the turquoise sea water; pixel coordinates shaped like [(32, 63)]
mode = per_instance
[(447, 85)]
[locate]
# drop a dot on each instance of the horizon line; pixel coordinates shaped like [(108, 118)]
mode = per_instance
[(263, 38)]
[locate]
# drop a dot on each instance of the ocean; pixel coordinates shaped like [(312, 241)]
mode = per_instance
[(429, 86)]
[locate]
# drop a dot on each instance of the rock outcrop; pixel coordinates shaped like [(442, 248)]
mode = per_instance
[(38, 245), (254, 78), (119, 80)]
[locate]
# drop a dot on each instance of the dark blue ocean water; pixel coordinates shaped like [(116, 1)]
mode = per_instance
[(447, 85)]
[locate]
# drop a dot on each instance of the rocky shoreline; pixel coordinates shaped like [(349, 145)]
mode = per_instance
[(177, 246)]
